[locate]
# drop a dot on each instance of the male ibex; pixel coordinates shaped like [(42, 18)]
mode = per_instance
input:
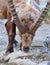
[(26, 32)]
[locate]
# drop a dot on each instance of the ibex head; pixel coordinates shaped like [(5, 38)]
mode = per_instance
[(26, 42), (26, 38)]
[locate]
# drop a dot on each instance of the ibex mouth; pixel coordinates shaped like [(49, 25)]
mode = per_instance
[(26, 41), (26, 49)]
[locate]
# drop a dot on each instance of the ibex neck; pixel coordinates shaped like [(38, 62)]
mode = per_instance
[(18, 22)]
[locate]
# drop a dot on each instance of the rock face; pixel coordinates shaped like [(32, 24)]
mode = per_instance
[(45, 63), (24, 62), (42, 35), (3, 35)]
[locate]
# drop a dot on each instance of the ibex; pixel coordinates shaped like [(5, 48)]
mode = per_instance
[(26, 32)]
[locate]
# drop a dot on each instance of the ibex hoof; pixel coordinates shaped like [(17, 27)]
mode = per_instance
[(9, 51)]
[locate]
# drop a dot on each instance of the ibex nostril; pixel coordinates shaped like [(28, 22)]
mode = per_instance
[(25, 49)]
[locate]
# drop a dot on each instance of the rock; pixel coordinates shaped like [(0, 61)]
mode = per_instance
[(45, 63), (41, 35), (11, 63), (37, 43), (23, 62), (43, 31), (16, 54)]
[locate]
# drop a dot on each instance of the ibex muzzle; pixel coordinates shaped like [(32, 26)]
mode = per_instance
[(26, 42)]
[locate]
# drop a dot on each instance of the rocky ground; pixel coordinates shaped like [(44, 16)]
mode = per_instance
[(39, 53)]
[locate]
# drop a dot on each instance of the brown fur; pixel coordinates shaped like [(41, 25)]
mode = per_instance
[(11, 30)]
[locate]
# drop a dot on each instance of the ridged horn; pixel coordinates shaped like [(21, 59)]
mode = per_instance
[(35, 25), (22, 28)]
